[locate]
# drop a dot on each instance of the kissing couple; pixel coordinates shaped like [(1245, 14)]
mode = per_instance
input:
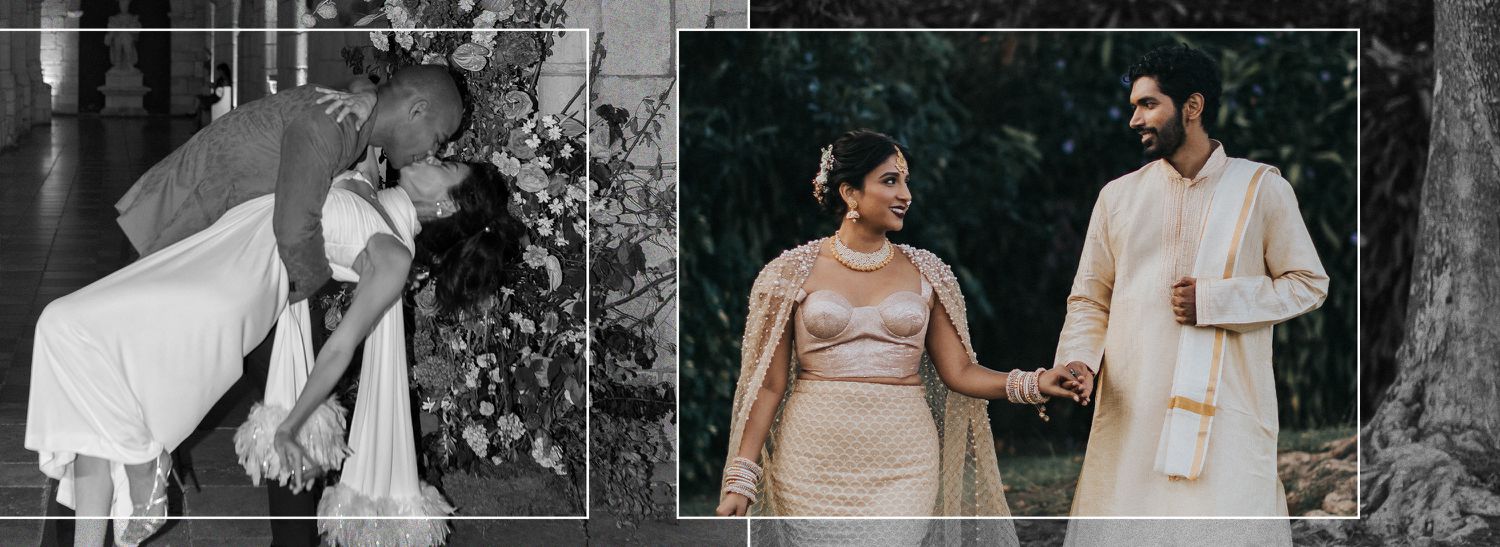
[(236, 229)]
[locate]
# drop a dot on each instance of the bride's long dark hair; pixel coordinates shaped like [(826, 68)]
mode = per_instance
[(472, 254)]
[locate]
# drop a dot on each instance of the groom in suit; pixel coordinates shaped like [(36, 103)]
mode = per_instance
[(285, 144)]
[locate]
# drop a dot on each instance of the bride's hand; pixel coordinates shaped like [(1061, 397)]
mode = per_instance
[(734, 505), (359, 105), (293, 457), (1055, 383)]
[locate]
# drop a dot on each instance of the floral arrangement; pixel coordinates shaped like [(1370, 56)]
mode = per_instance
[(502, 384)]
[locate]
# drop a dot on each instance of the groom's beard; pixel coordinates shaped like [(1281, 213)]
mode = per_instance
[(1168, 138)]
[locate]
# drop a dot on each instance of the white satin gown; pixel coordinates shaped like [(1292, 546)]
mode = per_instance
[(127, 366)]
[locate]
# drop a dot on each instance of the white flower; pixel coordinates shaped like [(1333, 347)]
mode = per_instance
[(554, 133), (548, 455), (561, 241), (509, 165), (496, 460), (548, 121), (471, 377), (327, 10), (527, 326), (479, 441), (532, 178), (486, 18), (528, 125), (535, 257), (533, 142), (556, 207), (510, 427), (495, 375), (544, 231), (308, 21), (484, 38), (507, 291), (567, 150), (405, 40), (544, 162), (400, 18), (466, 5), (486, 409)]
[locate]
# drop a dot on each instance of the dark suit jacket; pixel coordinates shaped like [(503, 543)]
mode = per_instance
[(283, 144)]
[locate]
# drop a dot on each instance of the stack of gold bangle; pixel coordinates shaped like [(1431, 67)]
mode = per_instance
[(741, 478)]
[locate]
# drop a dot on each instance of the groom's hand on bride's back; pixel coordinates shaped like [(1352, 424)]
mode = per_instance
[(355, 103)]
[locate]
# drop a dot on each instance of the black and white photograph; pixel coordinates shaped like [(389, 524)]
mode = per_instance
[(321, 273)]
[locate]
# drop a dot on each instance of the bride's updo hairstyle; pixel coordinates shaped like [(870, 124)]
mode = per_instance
[(472, 253), (849, 159)]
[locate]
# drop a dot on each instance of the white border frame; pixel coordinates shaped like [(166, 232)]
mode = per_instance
[(587, 107), (1359, 129)]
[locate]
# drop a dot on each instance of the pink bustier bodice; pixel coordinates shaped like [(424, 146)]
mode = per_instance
[(835, 339)]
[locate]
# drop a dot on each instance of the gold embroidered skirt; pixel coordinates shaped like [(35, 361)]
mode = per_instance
[(855, 449)]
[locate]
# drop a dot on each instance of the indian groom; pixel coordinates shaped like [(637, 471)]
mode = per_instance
[(1188, 263)]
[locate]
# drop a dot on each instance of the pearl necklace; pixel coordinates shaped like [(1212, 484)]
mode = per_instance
[(862, 262)]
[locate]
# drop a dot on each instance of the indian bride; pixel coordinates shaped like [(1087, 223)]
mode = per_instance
[(859, 390), (126, 367)]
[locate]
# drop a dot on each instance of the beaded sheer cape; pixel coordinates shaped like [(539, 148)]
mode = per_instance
[(970, 482)]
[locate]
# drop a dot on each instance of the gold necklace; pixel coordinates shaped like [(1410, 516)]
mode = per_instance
[(862, 262)]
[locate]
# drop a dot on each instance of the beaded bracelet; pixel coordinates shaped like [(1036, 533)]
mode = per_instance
[(749, 493), (752, 466)]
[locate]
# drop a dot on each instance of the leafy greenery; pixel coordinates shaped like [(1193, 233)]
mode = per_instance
[(1013, 134), (1396, 89), (632, 208)]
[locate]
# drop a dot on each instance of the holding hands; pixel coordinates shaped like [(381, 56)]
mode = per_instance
[(304, 470), (1073, 381)]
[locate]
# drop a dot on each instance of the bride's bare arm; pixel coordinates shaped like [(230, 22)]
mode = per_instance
[(383, 268), (969, 378), (762, 412)]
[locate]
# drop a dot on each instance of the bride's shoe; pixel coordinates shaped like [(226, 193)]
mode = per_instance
[(146, 518)]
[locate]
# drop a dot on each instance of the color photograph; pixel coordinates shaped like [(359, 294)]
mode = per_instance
[(1139, 246)]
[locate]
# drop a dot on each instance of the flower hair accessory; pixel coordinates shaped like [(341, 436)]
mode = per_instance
[(820, 182)]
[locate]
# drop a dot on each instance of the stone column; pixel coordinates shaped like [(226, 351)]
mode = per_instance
[(251, 77), (189, 51), (41, 91), (291, 55), (8, 119), (21, 109), (60, 55)]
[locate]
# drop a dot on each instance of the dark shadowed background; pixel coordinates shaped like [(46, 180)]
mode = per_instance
[(1012, 136)]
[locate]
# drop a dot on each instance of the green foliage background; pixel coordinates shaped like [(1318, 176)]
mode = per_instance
[(1012, 136)]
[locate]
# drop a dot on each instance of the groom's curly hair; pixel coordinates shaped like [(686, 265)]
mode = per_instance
[(1180, 71), (473, 253)]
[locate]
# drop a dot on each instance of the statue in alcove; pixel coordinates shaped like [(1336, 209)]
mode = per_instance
[(121, 38)]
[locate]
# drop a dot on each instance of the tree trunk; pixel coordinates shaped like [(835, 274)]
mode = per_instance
[(1429, 452)]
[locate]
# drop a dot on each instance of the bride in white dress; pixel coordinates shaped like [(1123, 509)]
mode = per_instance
[(124, 369)]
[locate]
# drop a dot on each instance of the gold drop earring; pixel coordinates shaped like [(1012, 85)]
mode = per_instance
[(853, 213)]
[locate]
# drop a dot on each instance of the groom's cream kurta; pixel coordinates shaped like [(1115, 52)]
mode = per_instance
[(1142, 237)]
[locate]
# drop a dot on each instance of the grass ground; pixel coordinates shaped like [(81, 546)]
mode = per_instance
[(1042, 485)]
